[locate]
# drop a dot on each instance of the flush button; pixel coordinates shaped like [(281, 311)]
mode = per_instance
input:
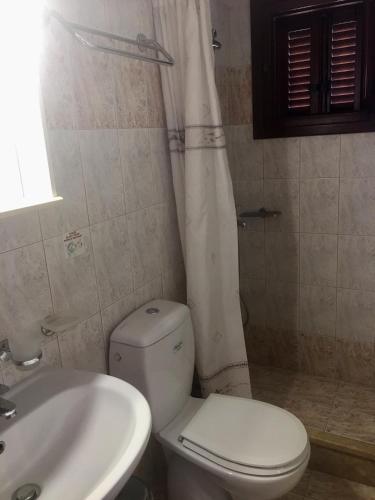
[(152, 310), (118, 357)]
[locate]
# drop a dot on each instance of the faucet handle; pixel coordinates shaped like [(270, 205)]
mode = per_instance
[(4, 350), (3, 389)]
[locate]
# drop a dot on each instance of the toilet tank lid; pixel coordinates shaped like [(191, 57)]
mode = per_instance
[(150, 323)]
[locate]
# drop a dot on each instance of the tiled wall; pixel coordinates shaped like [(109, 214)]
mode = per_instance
[(107, 145), (308, 277)]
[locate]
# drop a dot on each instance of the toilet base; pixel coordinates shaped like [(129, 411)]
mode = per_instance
[(186, 481)]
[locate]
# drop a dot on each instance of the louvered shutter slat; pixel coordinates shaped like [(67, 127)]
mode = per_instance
[(343, 64), (299, 70)]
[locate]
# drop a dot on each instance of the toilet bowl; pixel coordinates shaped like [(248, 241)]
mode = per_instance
[(221, 448), (252, 450)]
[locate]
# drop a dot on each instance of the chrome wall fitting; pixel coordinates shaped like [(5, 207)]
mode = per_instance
[(4, 350), (215, 42), (262, 213), (28, 364), (8, 409)]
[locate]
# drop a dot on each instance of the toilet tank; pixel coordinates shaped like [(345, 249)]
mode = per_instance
[(153, 349)]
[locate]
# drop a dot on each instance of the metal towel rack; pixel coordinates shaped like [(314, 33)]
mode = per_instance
[(262, 213), (142, 42)]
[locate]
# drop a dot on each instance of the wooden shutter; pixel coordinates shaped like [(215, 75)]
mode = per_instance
[(345, 63), (299, 70), (313, 67)]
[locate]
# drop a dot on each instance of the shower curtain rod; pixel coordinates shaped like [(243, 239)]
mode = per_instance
[(142, 42)]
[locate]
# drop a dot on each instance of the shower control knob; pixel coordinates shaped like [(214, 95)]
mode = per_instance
[(118, 357)]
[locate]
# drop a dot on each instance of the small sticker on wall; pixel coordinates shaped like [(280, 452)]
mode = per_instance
[(74, 244)]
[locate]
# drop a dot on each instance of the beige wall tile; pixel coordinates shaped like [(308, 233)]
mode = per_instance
[(320, 156), (24, 291), (91, 13), (356, 265), (19, 230), (223, 92), (253, 293), (151, 291), (221, 12), (161, 164), (355, 315), (72, 279), (102, 174), (317, 355), (82, 347), (238, 96), (94, 89), (145, 244), (239, 22), (282, 257), (130, 18), (284, 348), (247, 154), (131, 93), (357, 155), (229, 132), (170, 245), (319, 206), (282, 303), (138, 173), (318, 310), (57, 78), (65, 160), (259, 347), (357, 206), (282, 195), (174, 283), (281, 158), (115, 313), (112, 252), (252, 254), (155, 101), (318, 254)]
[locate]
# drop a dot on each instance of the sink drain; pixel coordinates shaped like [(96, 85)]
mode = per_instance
[(27, 492)]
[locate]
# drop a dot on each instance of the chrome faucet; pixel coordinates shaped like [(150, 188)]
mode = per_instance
[(7, 408)]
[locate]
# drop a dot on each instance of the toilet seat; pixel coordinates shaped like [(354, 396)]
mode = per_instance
[(246, 436)]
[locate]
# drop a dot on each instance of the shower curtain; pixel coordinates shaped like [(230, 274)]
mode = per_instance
[(204, 195)]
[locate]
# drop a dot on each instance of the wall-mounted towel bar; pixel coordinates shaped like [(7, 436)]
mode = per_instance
[(262, 213), (142, 42)]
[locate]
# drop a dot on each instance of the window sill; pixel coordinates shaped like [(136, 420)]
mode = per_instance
[(27, 205)]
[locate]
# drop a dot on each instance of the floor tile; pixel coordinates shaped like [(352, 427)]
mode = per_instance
[(309, 398), (353, 413), (325, 487)]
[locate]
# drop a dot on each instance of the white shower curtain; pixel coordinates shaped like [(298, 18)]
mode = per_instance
[(204, 195)]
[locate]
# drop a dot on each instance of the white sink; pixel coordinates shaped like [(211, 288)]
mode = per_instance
[(77, 435)]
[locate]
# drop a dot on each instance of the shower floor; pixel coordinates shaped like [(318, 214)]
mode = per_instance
[(318, 486), (336, 408), (340, 420)]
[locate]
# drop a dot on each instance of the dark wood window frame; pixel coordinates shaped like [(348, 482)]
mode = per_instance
[(270, 118)]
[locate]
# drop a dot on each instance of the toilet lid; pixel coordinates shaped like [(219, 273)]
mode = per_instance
[(240, 433)]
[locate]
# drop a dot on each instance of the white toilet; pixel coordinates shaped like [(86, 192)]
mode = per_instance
[(221, 448)]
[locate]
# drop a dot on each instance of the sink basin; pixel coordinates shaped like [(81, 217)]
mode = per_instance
[(77, 435)]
